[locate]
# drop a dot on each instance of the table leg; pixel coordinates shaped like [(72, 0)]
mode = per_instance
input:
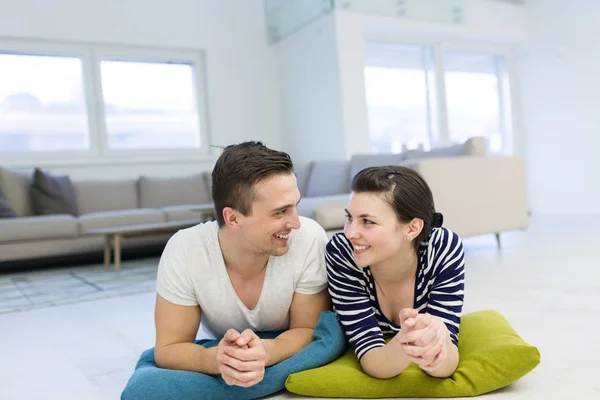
[(107, 252), (117, 246)]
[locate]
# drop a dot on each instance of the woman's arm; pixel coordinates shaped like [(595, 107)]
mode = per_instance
[(385, 362), (347, 287), (447, 293), (391, 360), (443, 312)]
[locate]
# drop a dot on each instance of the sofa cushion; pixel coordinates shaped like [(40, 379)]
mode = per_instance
[(6, 211), (331, 214), (476, 146), (473, 147), (180, 213), (450, 151), (109, 219), (52, 194), (358, 162), (15, 185), (162, 192), (208, 182), (327, 178), (302, 176), (96, 196), (38, 227), (309, 205)]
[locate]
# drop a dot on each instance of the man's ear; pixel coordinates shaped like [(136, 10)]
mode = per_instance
[(231, 217)]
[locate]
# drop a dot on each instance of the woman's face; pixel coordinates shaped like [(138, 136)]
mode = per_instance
[(374, 230)]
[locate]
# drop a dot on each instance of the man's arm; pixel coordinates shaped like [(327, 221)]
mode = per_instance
[(176, 329), (304, 315)]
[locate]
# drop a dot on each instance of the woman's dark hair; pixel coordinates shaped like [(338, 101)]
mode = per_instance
[(405, 191)]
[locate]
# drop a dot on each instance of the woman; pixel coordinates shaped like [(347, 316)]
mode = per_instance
[(395, 271)]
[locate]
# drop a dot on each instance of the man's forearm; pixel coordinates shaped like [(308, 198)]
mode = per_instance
[(385, 362), (448, 366), (187, 357), (287, 344)]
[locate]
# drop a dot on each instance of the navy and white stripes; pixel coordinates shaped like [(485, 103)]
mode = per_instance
[(439, 289)]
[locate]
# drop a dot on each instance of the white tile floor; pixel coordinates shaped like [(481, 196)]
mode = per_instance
[(546, 281)]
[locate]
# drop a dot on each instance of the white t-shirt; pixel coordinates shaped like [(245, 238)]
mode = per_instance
[(192, 272)]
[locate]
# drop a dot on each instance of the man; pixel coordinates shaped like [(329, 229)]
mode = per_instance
[(258, 267)]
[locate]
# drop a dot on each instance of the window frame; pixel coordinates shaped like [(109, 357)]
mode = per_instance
[(91, 55), (433, 121)]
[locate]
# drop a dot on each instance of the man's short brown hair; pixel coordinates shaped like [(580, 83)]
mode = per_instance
[(238, 169)]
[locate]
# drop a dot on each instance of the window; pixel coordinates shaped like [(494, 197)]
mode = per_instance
[(400, 99), (417, 101), (149, 105), (58, 101), (477, 97), (42, 104)]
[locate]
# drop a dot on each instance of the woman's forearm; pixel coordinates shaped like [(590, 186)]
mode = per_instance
[(385, 362)]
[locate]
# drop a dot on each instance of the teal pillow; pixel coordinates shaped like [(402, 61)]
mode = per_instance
[(492, 355), (149, 382)]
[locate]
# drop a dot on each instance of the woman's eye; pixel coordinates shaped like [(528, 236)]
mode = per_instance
[(367, 221)]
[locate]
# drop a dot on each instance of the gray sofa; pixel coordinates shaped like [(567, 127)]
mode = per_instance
[(100, 204), (328, 182), (477, 195)]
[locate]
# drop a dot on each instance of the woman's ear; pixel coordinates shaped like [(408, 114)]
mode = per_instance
[(415, 227)]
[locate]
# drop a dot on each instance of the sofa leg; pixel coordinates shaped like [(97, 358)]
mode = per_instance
[(107, 252), (117, 249), (498, 240)]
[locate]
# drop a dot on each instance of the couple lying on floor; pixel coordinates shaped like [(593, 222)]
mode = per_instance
[(393, 272)]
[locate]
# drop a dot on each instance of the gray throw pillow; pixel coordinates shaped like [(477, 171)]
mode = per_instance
[(16, 185), (6, 211), (52, 194)]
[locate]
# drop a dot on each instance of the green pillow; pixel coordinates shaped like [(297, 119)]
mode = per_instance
[(492, 355)]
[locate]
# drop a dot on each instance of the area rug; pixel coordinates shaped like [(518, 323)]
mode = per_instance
[(38, 289)]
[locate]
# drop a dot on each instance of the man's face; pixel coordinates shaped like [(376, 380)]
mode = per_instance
[(273, 215)]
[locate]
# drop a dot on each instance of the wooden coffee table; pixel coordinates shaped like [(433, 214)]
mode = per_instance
[(114, 236)]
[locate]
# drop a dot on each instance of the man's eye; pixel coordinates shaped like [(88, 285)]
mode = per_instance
[(367, 221), (348, 217)]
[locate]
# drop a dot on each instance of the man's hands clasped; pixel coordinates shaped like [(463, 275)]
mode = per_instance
[(241, 358)]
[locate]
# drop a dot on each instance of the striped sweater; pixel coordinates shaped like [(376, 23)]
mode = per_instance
[(439, 289)]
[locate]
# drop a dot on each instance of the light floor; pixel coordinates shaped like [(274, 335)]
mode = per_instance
[(545, 280)]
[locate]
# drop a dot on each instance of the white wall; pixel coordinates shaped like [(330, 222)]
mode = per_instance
[(309, 93), (560, 84), (242, 93)]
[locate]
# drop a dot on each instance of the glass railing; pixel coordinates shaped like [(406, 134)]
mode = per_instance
[(287, 16), (449, 11)]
